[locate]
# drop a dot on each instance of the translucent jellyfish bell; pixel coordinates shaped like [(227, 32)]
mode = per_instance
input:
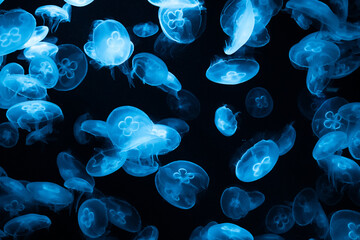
[(232, 71), (344, 225), (286, 140), (172, 85), (96, 128), (54, 15), (350, 112), (225, 121), (17, 28), (79, 3), (329, 144), (9, 135), (185, 105), (106, 162), (138, 166), (146, 29), (178, 124), (26, 224), (169, 3), (259, 103), (39, 134), (148, 233), (179, 182), (38, 35), (257, 161), (279, 219), (237, 20), (235, 203), (41, 49), (326, 192), (25, 85), (228, 231), (81, 136), (44, 69), (201, 232), (354, 142), (305, 206)]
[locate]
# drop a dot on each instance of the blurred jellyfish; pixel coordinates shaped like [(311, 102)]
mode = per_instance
[(200, 232), (138, 166), (171, 85), (232, 71), (279, 219), (286, 140), (268, 236), (146, 29), (345, 66), (41, 49), (25, 85), (26, 224), (354, 142), (54, 15), (329, 144), (39, 134), (38, 35), (228, 231), (305, 206), (317, 79), (2, 172), (179, 182), (178, 124), (321, 223), (148, 233), (344, 225), (106, 162), (225, 121), (326, 192), (257, 161), (237, 20), (259, 39), (259, 103), (79, 3), (185, 105), (9, 135), (17, 28), (81, 136), (122, 214), (44, 69), (96, 128), (350, 112), (93, 218), (72, 65), (256, 199)]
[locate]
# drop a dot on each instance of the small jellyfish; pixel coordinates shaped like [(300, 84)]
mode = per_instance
[(179, 182), (305, 205), (225, 121), (25, 85), (235, 203), (44, 69), (54, 14), (259, 103), (93, 218), (326, 192), (232, 71), (178, 124), (96, 128), (286, 140), (148, 233), (41, 49), (257, 161), (344, 225), (329, 144), (38, 35), (345, 66), (9, 135), (26, 224), (279, 219), (81, 136), (228, 231), (72, 65), (185, 105), (79, 3), (106, 162), (146, 29), (317, 79)]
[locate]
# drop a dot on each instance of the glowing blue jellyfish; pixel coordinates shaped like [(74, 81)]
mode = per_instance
[(81, 136), (171, 85), (345, 66), (31, 114), (17, 26), (326, 192), (148, 233), (259, 103), (329, 144), (237, 20), (350, 112), (232, 71), (39, 134), (79, 3), (256, 199), (146, 29), (54, 14), (228, 231), (26, 224), (41, 49), (268, 236), (185, 105), (305, 206), (38, 35), (72, 65), (344, 225), (178, 124), (317, 79), (321, 223), (149, 68), (180, 181), (25, 85), (122, 214), (327, 119), (258, 39), (181, 23), (9, 135), (106, 162), (93, 218), (96, 128), (200, 232), (50, 194), (138, 166), (45, 71), (225, 121), (279, 219), (286, 140)]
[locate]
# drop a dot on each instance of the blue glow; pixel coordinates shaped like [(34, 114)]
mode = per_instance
[(26, 224), (185, 105), (259, 103), (305, 206), (344, 224), (228, 231), (54, 15), (326, 192), (106, 162), (148, 233), (279, 219), (329, 144), (146, 29), (9, 135), (225, 121), (286, 140)]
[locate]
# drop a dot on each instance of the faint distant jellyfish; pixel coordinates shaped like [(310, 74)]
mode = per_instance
[(344, 225), (228, 231), (286, 140), (106, 162), (256, 199), (41, 49), (232, 71), (54, 15), (279, 219), (179, 182), (305, 205), (185, 105), (201, 232), (354, 143), (146, 29), (345, 66), (14, 207), (39, 134), (72, 65), (17, 28), (25, 85), (79, 3), (172, 85), (235, 203), (329, 144), (80, 136), (258, 39), (96, 128), (326, 192), (259, 103), (45, 71), (26, 224), (225, 121), (178, 124), (167, 48), (308, 103), (93, 218), (9, 135), (148, 233), (237, 20), (257, 161)]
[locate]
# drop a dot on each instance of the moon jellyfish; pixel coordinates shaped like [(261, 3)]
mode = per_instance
[(146, 29), (327, 119), (72, 65), (182, 24), (185, 105), (106, 162), (326, 192), (228, 231), (268, 236), (237, 20), (232, 71), (279, 219), (148, 233), (50, 194), (286, 140), (81, 136), (25, 85), (41, 49), (26, 224), (122, 214), (39, 135), (9, 135), (31, 114), (225, 121), (171, 85), (149, 68), (54, 14), (259, 103), (138, 166), (93, 218), (345, 66), (344, 225), (79, 3), (96, 128), (305, 206), (256, 199), (321, 223), (317, 79), (178, 124), (45, 71), (17, 27), (350, 111), (258, 39), (200, 232), (329, 144), (257, 161), (38, 35), (179, 182)]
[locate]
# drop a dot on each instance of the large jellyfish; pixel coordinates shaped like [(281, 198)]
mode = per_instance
[(146, 29), (180, 181), (148, 233), (9, 135), (106, 162), (228, 231), (329, 144), (54, 14), (26, 224), (344, 225), (185, 105), (350, 112), (225, 121), (279, 219), (44, 69), (259, 103), (232, 71)]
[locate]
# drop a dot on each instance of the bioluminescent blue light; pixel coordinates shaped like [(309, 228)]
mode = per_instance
[(81, 136), (39, 135), (41, 49), (305, 206), (259, 103), (350, 112), (44, 69), (25, 85), (38, 35), (225, 121), (9, 135), (329, 144), (97, 128), (344, 225), (228, 231), (79, 3), (54, 15), (171, 85), (185, 105), (146, 29), (279, 219), (326, 192), (106, 162), (286, 140), (178, 124), (26, 224)]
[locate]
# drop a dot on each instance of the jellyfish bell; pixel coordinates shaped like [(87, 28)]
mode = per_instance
[(228, 231), (41, 49), (25, 85), (39, 134), (329, 144), (146, 29), (318, 79), (169, 3), (350, 112), (225, 121), (38, 35), (235, 203), (286, 140), (96, 128), (54, 14), (259, 103), (79, 3), (279, 219), (185, 105), (44, 69), (106, 162), (26, 224), (9, 135), (138, 166), (149, 232), (305, 205), (344, 225), (178, 124), (171, 85)]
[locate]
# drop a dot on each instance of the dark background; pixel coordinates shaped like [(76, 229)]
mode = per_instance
[(99, 94)]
